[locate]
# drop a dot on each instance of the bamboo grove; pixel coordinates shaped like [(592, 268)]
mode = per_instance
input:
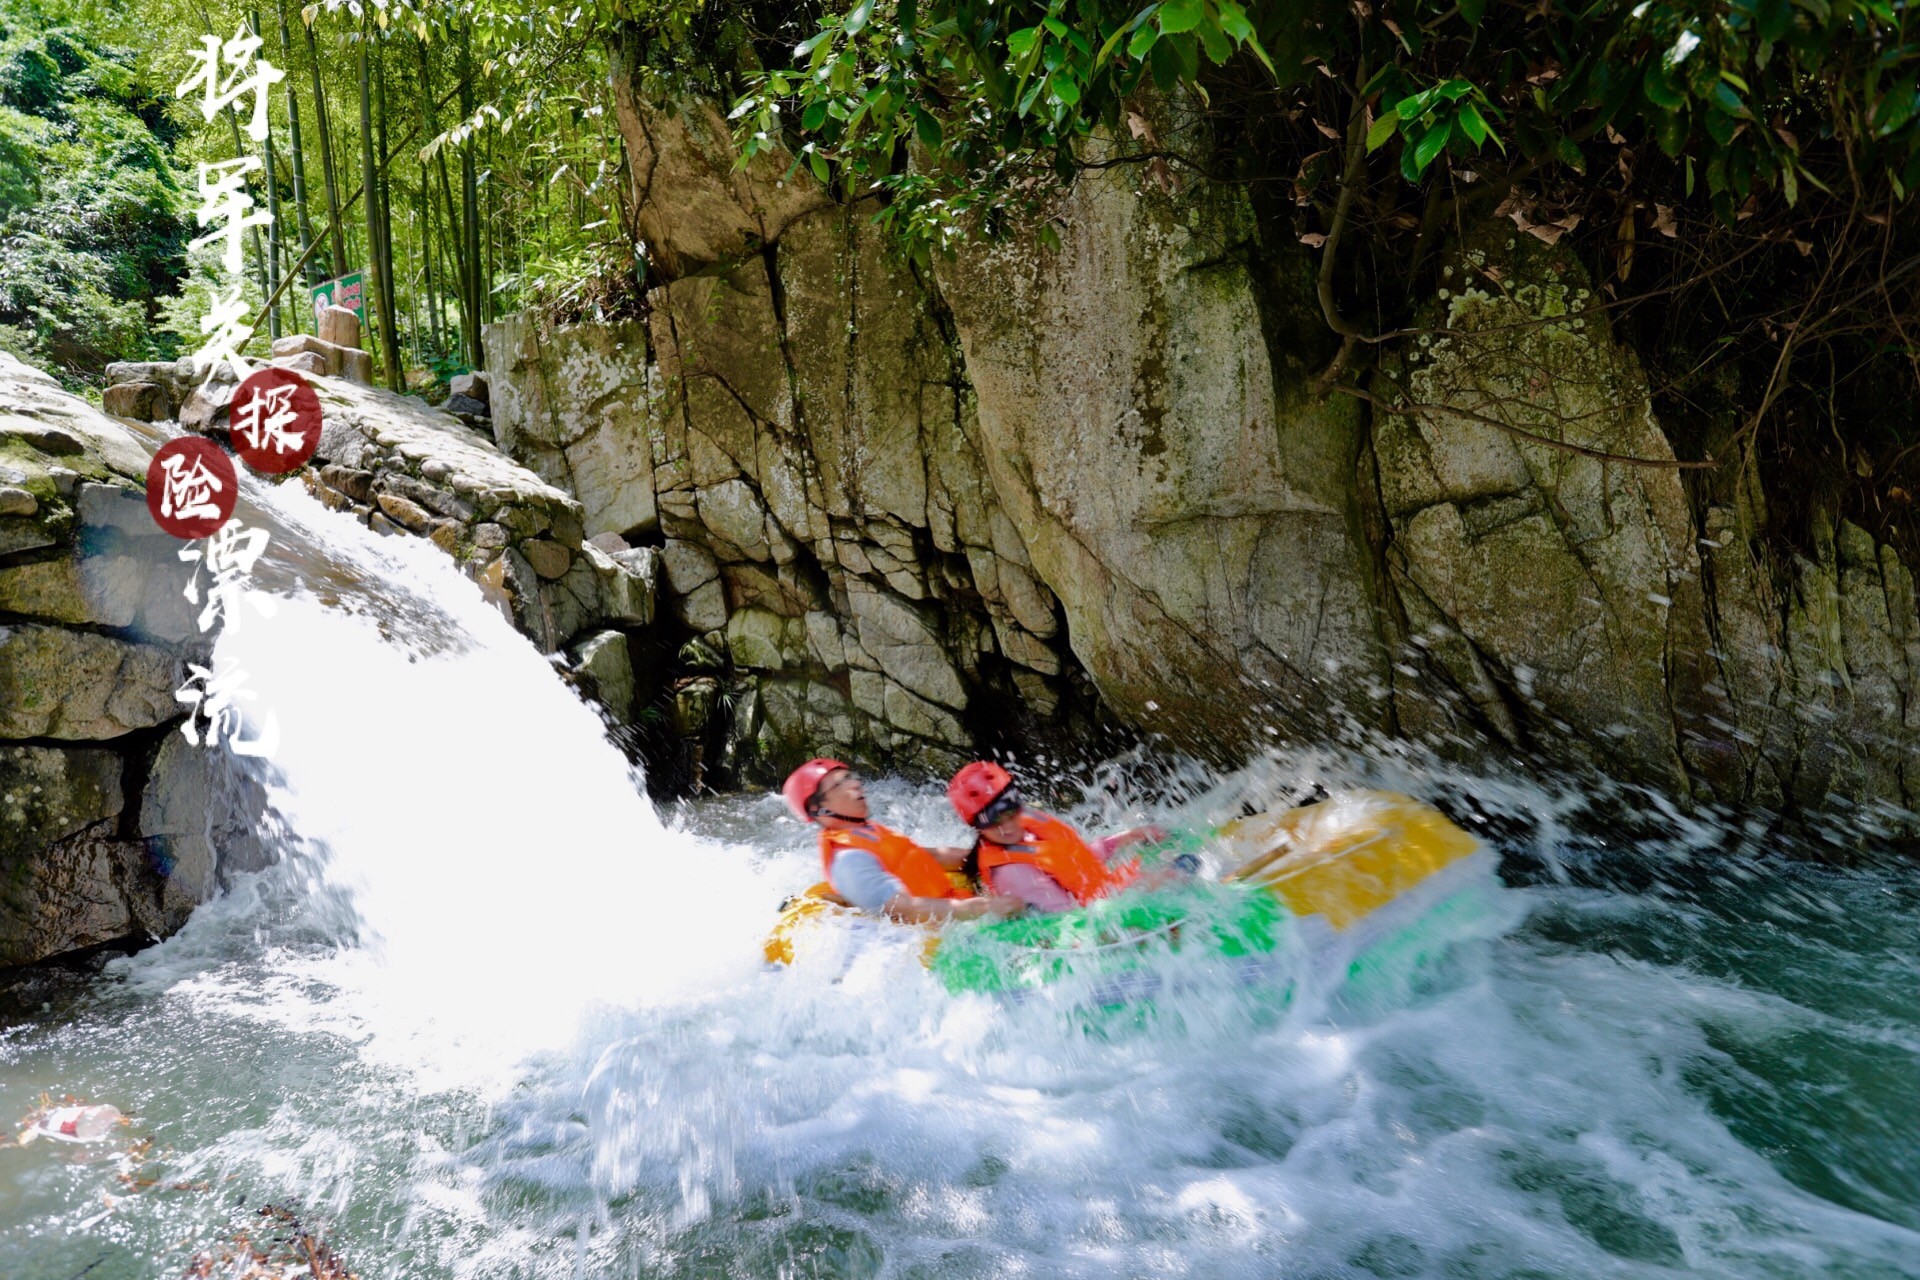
[(460, 158)]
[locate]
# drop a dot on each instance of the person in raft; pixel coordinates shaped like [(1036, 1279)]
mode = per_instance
[(1025, 854), (878, 870)]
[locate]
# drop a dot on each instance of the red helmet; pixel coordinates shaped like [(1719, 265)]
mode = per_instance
[(803, 783), (976, 787)]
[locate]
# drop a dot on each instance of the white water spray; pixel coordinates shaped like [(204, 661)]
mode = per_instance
[(506, 866)]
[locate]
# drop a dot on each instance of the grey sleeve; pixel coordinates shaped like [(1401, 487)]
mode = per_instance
[(858, 877)]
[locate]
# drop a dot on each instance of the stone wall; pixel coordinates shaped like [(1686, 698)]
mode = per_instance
[(896, 505)]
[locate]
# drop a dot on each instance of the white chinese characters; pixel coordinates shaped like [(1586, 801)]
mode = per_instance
[(263, 421), (191, 489), (227, 73), (243, 76), (214, 694)]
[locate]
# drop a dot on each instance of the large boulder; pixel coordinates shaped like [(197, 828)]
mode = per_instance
[(605, 665), (693, 203), (198, 819), (572, 403)]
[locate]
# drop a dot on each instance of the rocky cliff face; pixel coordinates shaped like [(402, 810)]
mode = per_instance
[(898, 506)]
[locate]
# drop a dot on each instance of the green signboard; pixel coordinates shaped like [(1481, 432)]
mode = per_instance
[(347, 291)]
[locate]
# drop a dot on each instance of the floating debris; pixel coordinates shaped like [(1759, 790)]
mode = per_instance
[(276, 1247), (67, 1120)]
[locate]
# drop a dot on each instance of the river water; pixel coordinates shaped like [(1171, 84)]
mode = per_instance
[(492, 1015)]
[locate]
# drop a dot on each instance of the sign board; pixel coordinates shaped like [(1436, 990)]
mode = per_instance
[(347, 291)]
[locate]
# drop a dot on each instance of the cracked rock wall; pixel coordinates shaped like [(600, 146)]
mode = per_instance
[(895, 507), (813, 478)]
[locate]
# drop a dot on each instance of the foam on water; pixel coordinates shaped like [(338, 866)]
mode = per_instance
[(492, 1017)]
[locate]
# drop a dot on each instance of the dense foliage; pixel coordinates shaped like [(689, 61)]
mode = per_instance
[(91, 229), (989, 87), (485, 126), (1734, 173)]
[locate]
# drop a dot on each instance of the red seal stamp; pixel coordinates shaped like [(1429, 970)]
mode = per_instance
[(191, 487), (275, 421)]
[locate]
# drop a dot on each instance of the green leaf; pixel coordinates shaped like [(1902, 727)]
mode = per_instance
[(1139, 20), (1383, 128), (1065, 89), (1895, 109), (1789, 185), (1215, 41), (1233, 21), (1670, 131), (1472, 124), (1142, 41), (1728, 101), (1473, 11), (1430, 145), (1021, 41), (818, 163), (1054, 25), (857, 20), (908, 17), (1165, 64), (1181, 15), (927, 128), (806, 47), (1456, 89), (1416, 105), (1186, 56), (1661, 90), (1567, 151), (814, 116), (1775, 18)]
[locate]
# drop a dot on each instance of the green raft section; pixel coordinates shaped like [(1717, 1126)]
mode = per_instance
[(1113, 952), (1109, 938)]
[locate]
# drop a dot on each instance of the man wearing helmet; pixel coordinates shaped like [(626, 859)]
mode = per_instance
[(873, 868), (1033, 856)]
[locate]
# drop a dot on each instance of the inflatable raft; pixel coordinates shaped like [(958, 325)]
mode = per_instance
[(1363, 868)]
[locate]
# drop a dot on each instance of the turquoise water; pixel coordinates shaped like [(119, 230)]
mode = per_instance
[(1713, 1082)]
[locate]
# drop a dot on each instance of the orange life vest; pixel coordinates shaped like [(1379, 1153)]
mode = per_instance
[(919, 871), (1057, 849)]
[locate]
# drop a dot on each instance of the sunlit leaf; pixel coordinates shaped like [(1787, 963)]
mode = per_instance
[(1177, 16)]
